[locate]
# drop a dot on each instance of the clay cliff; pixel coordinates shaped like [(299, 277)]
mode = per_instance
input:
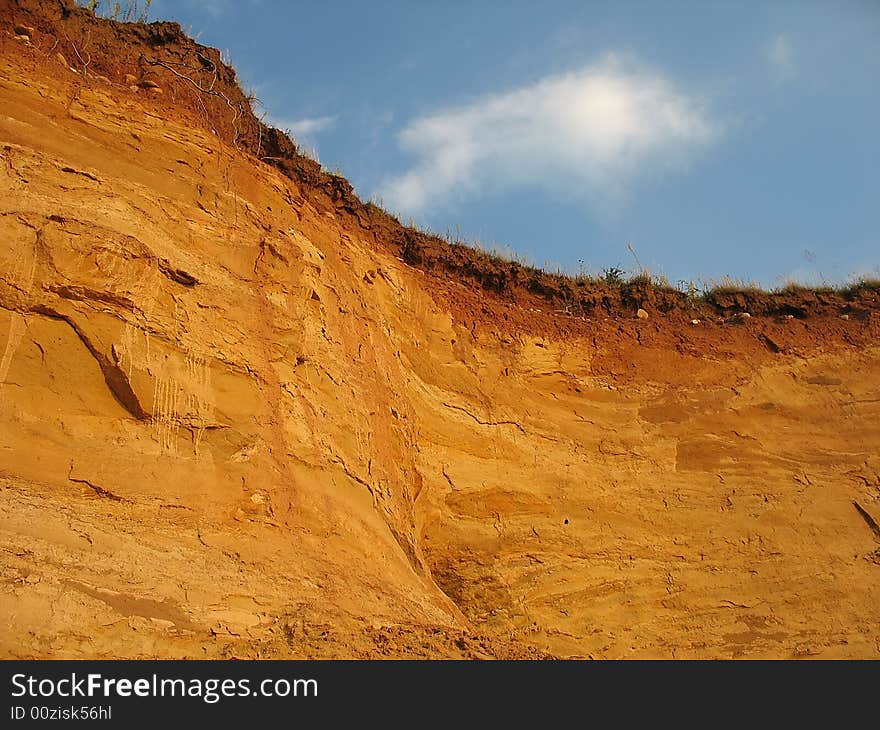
[(243, 413)]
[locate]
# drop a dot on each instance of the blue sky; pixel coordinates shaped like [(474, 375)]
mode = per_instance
[(735, 139)]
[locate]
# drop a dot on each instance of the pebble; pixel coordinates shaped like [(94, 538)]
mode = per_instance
[(641, 314)]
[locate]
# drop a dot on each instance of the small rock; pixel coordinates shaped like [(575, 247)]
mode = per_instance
[(62, 60), (162, 623), (844, 316), (25, 38), (135, 89), (130, 79), (641, 313), (695, 321), (26, 30), (148, 84), (741, 317)]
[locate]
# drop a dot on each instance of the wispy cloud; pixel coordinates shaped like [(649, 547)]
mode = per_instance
[(304, 131), (781, 58), (592, 132), (214, 8), (308, 127)]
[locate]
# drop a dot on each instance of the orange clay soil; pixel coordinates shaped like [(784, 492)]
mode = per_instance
[(244, 414)]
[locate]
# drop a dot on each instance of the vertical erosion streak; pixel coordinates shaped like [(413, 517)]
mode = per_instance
[(16, 330), (24, 281)]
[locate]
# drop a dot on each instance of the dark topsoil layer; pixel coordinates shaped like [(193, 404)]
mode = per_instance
[(194, 81)]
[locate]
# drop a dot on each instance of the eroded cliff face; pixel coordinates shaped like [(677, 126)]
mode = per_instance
[(231, 424)]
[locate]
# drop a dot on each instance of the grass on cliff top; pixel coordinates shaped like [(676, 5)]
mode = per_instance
[(129, 11), (617, 276)]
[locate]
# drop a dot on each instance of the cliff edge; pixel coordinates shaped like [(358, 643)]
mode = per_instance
[(243, 413)]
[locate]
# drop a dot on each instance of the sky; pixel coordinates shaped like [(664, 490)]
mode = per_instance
[(696, 140)]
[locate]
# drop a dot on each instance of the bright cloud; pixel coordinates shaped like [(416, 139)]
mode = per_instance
[(214, 8), (591, 131), (305, 128), (781, 58), (304, 131)]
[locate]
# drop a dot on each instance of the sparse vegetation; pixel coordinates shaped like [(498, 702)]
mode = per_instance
[(613, 276), (794, 287), (729, 284), (860, 284), (334, 171), (129, 11), (866, 283), (250, 95), (690, 290)]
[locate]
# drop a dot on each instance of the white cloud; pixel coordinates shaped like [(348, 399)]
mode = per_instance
[(303, 131), (215, 8), (591, 132), (781, 58), (303, 128)]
